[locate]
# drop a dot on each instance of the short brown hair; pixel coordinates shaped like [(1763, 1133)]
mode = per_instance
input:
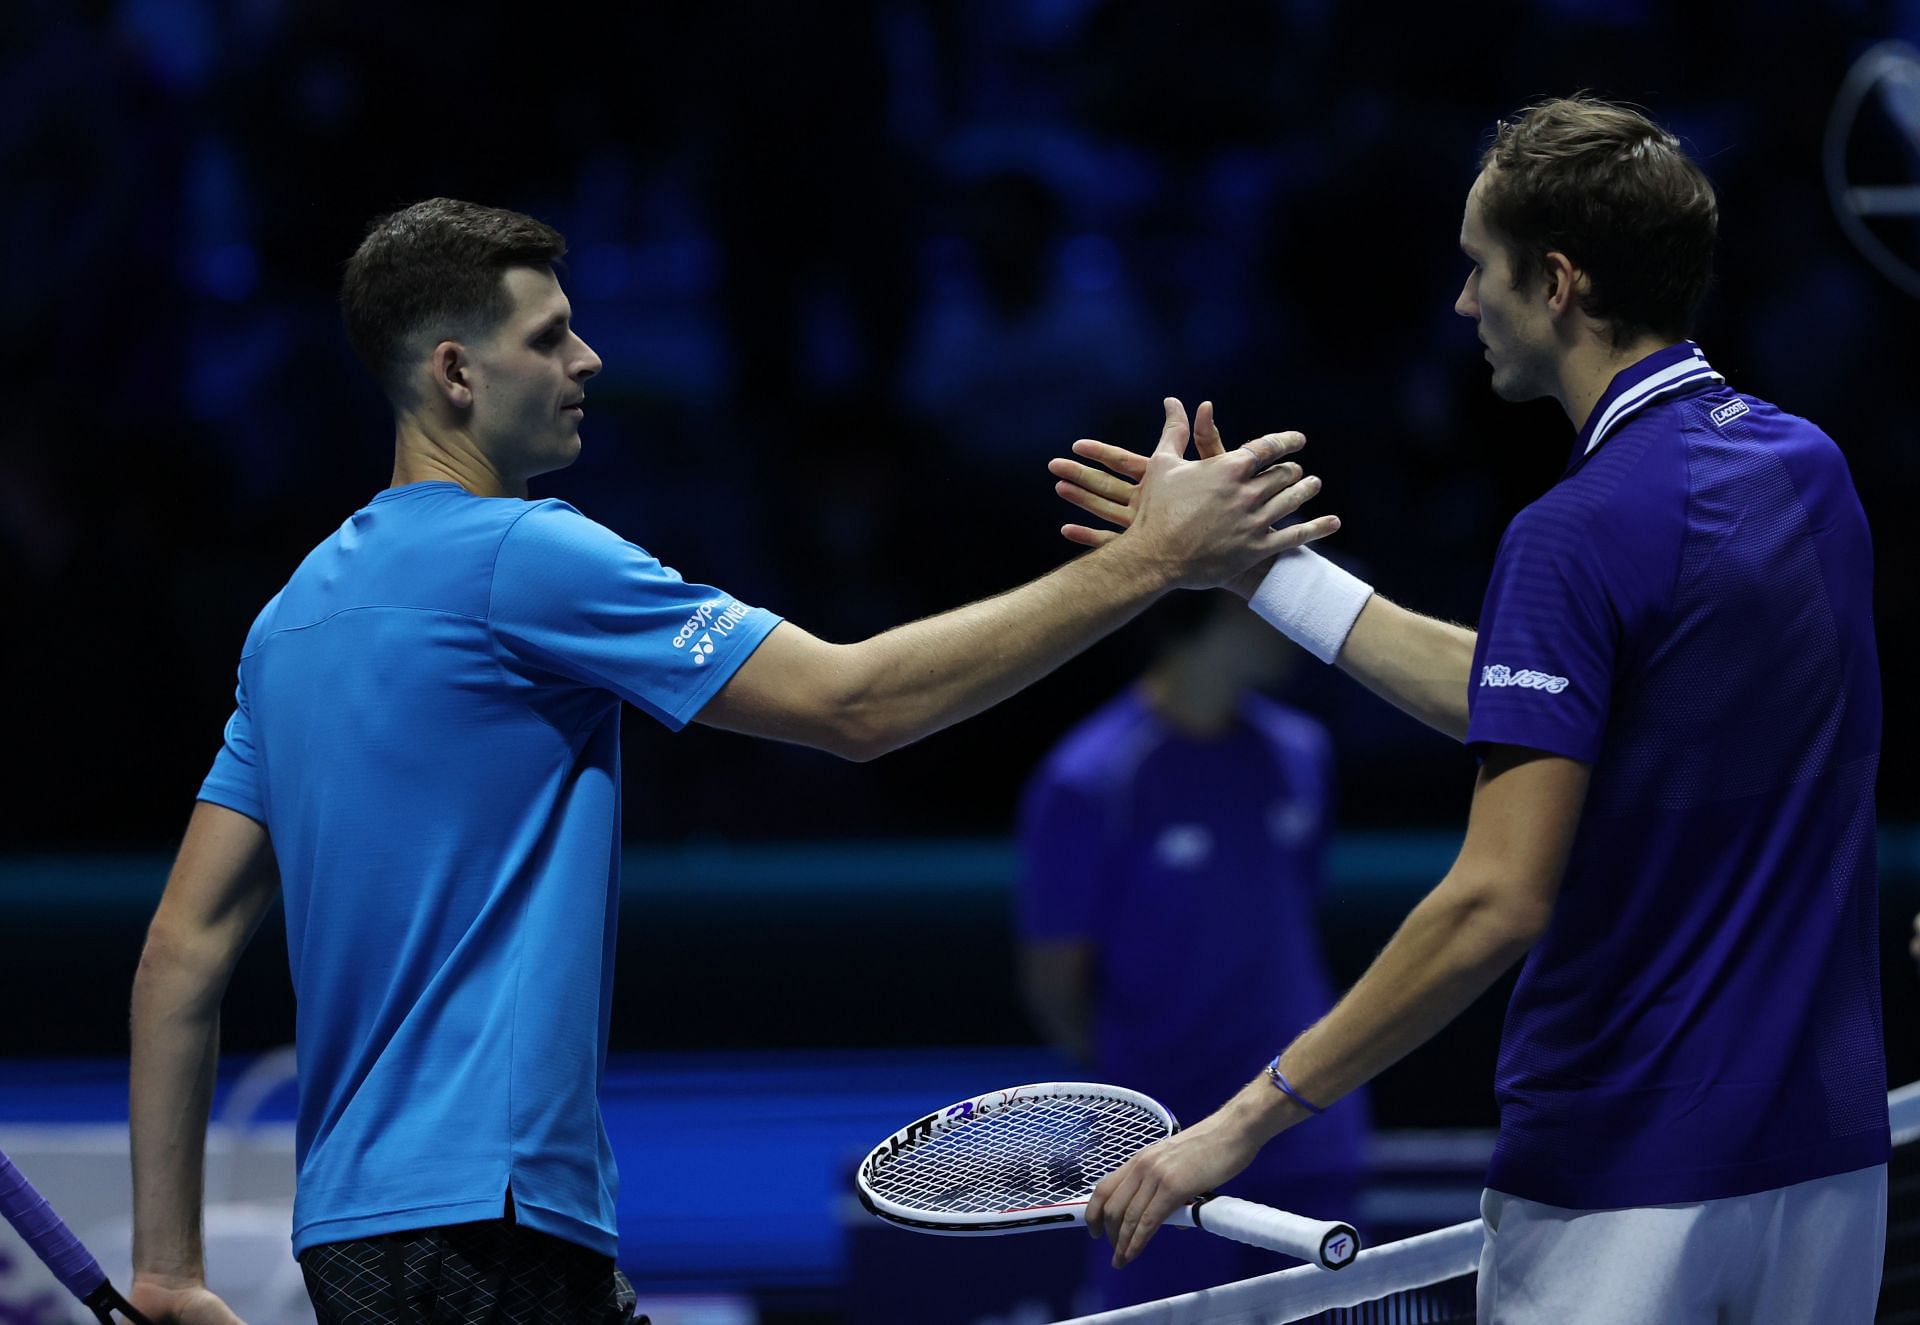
[(435, 267), (1613, 191)]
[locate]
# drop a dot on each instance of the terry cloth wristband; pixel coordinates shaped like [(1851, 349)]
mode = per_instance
[(1285, 1087), (1311, 601)]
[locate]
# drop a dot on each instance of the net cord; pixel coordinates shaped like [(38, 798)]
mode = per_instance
[(1415, 1262)]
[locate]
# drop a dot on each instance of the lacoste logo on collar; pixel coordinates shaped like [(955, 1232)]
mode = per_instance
[(1728, 412)]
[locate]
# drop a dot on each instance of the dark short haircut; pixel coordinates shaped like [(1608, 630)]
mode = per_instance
[(1615, 193), (434, 269)]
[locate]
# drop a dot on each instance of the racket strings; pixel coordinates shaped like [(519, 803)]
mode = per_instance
[(1036, 1151)]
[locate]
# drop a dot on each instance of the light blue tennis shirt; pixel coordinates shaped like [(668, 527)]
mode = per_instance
[(428, 724)]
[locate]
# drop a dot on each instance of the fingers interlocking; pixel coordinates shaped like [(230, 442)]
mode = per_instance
[(1107, 488)]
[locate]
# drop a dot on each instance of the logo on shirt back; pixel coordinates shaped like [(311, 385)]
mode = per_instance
[(716, 616), (1183, 846), (1499, 675), (1728, 412)]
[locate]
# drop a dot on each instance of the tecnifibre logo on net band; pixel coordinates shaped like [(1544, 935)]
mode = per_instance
[(1501, 675)]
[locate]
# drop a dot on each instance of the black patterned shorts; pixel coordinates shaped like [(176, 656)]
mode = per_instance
[(491, 1273)]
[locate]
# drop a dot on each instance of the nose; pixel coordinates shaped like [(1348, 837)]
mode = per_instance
[(589, 363), (1466, 305)]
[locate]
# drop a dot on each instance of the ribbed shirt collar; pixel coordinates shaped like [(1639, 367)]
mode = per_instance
[(1674, 371)]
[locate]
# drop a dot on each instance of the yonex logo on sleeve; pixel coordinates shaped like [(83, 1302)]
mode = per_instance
[(1728, 412), (1499, 675), (716, 616)]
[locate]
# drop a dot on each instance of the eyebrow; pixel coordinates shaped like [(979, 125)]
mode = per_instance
[(554, 323)]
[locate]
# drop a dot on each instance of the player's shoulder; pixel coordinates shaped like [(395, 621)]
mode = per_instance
[(552, 522), (552, 538), (265, 622), (1736, 418), (1631, 487)]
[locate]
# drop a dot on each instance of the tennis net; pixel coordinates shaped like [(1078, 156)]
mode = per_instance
[(1429, 1279)]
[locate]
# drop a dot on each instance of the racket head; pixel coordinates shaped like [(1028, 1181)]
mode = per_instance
[(1009, 1161)]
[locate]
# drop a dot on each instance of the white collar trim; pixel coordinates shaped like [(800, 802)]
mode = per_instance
[(1663, 383)]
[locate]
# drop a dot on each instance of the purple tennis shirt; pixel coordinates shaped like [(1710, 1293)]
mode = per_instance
[(1689, 612), (1193, 867)]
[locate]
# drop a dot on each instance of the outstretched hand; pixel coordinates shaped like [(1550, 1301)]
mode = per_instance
[(1108, 493), (1210, 519), (184, 1304)]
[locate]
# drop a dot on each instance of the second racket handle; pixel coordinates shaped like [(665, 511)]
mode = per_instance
[(44, 1231), (1331, 1246)]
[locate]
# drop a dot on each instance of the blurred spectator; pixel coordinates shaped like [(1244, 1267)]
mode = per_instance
[(1028, 333), (1172, 848)]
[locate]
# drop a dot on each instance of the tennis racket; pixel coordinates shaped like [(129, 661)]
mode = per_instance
[(1028, 1158), (53, 1242)]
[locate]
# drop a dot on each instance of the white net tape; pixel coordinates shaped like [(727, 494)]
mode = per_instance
[(1307, 1290), (1038, 1150)]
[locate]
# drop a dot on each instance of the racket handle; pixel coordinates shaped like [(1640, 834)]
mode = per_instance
[(1332, 1246), (44, 1231)]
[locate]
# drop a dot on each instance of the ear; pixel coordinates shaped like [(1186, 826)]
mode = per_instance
[(1565, 284), (451, 374)]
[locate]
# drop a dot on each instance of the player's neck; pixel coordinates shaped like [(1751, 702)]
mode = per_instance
[(1589, 369), (1193, 705), (425, 453)]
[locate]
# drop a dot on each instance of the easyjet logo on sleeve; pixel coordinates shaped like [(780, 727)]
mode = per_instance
[(716, 616)]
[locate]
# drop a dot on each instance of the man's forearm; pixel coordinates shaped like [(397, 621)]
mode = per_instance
[(1448, 951), (918, 678), (1420, 665), (176, 1044)]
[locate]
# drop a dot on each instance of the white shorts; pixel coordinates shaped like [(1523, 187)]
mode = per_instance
[(1810, 1252)]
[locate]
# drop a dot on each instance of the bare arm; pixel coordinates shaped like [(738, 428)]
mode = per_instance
[(1420, 665), (1491, 907), (1057, 979), (223, 883), (1198, 523)]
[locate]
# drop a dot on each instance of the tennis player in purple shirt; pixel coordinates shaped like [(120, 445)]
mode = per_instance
[(1675, 700)]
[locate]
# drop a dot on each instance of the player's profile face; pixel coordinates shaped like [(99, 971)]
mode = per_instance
[(530, 378), (1510, 323)]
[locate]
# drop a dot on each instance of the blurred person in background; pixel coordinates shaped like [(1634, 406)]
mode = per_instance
[(1172, 852), (424, 761)]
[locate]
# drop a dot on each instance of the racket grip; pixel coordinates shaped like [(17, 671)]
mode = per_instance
[(44, 1231), (1332, 1246)]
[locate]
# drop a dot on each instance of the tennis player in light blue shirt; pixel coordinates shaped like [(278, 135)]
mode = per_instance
[(452, 937), (424, 761)]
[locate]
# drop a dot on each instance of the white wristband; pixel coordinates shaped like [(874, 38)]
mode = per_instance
[(1311, 601)]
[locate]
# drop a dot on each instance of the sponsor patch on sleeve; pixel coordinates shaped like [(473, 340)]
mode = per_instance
[(1498, 675), (715, 617)]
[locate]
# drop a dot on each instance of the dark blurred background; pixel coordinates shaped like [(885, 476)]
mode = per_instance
[(856, 271)]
